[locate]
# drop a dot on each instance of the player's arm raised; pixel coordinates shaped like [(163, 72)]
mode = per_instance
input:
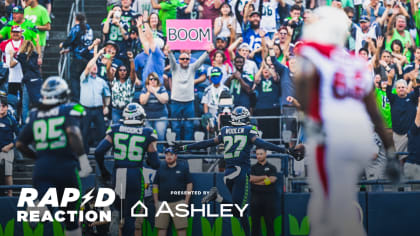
[(76, 143), (266, 145), (199, 145)]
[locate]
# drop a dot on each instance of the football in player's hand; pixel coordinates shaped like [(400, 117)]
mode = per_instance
[(178, 147), (298, 152)]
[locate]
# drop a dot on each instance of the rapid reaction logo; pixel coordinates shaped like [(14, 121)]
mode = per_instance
[(49, 208), (40, 211)]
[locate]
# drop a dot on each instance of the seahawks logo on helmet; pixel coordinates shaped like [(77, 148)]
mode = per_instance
[(240, 116), (134, 114), (54, 91)]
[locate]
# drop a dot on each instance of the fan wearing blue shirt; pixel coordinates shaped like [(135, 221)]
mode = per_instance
[(8, 128), (253, 38)]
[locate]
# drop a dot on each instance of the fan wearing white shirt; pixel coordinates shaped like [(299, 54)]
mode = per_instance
[(212, 93), (15, 69)]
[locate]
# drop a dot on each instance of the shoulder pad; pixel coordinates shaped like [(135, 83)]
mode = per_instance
[(109, 130), (207, 88), (154, 134), (254, 130), (221, 130), (77, 110)]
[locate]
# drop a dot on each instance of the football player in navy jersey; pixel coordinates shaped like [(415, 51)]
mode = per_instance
[(53, 128), (238, 141), (130, 140)]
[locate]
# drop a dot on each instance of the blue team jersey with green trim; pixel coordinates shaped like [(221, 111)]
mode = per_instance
[(130, 144), (237, 143), (46, 130)]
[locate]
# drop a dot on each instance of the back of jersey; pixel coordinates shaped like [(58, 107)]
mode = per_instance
[(343, 83), (130, 144), (47, 128), (238, 145)]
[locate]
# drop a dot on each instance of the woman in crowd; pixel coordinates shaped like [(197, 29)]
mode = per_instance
[(267, 85), (225, 24), (399, 53), (123, 87), (32, 81), (153, 98), (283, 38), (155, 27), (219, 60)]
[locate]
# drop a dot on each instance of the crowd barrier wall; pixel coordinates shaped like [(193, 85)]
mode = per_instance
[(382, 213)]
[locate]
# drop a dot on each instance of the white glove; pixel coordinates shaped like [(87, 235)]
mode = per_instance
[(85, 168)]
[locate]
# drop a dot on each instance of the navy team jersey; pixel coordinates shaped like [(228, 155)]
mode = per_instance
[(238, 144), (8, 127), (240, 96), (130, 144), (46, 128)]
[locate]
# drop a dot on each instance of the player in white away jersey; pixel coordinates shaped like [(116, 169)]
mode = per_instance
[(335, 91)]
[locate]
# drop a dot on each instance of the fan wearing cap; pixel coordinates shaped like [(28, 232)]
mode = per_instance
[(212, 93), (8, 129), (254, 36), (250, 66), (29, 29), (222, 44), (365, 31), (172, 177), (15, 68), (111, 50)]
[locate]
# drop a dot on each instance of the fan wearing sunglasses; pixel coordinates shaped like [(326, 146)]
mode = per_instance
[(123, 87), (182, 95)]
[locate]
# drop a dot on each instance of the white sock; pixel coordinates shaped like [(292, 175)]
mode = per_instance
[(219, 198)]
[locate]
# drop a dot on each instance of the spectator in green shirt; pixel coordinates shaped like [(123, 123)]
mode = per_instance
[(382, 100), (30, 32), (167, 11), (38, 15)]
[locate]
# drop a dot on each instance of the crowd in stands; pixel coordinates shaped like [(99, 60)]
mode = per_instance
[(252, 58)]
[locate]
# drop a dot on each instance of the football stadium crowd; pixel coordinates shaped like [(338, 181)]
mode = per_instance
[(251, 62), (188, 95)]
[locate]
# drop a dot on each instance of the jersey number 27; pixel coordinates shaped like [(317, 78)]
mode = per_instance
[(229, 141)]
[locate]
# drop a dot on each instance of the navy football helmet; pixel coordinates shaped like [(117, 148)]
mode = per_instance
[(240, 116), (134, 114), (54, 91)]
